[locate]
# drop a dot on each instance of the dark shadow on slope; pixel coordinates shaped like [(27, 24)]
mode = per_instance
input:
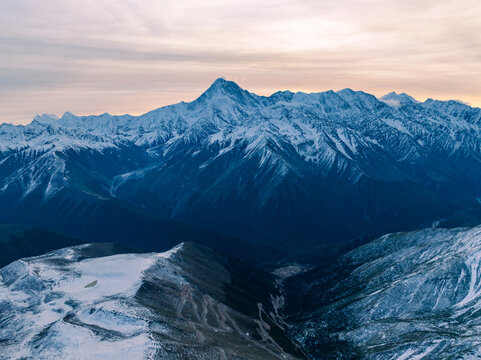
[(19, 241)]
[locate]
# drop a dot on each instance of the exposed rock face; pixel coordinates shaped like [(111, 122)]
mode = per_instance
[(404, 296)]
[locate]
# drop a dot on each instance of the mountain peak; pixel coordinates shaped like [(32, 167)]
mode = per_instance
[(221, 82), (222, 87), (67, 116), (396, 100), (46, 118)]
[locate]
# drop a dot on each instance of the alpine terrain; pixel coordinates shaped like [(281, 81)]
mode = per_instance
[(332, 225), (413, 295), (94, 302), (278, 173)]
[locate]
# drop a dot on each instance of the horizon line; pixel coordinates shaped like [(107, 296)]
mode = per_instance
[(223, 79)]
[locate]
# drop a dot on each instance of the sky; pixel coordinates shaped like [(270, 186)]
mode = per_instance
[(132, 56)]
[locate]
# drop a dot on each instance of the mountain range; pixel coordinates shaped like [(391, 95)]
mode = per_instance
[(409, 296), (259, 177)]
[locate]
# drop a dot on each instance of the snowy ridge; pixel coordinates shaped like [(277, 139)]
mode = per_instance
[(413, 295), (107, 283), (280, 158), (327, 129), (81, 302), (398, 100), (224, 107)]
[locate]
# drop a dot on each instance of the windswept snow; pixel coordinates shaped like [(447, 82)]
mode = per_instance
[(65, 298)]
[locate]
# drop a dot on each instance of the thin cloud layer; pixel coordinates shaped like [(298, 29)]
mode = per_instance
[(128, 56)]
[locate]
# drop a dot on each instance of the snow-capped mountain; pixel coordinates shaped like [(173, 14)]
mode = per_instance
[(397, 100), (321, 167), (405, 296), (89, 302)]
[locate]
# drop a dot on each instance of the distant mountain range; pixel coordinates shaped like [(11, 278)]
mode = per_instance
[(273, 175)]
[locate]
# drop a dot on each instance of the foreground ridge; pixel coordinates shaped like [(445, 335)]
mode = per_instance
[(188, 302), (409, 295)]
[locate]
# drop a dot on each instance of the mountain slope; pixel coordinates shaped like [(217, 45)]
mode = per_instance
[(322, 167), (404, 296), (17, 241), (189, 302)]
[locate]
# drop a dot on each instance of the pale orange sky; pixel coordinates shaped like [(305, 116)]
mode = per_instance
[(130, 56)]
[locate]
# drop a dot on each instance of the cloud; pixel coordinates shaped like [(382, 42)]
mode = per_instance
[(392, 102), (61, 52)]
